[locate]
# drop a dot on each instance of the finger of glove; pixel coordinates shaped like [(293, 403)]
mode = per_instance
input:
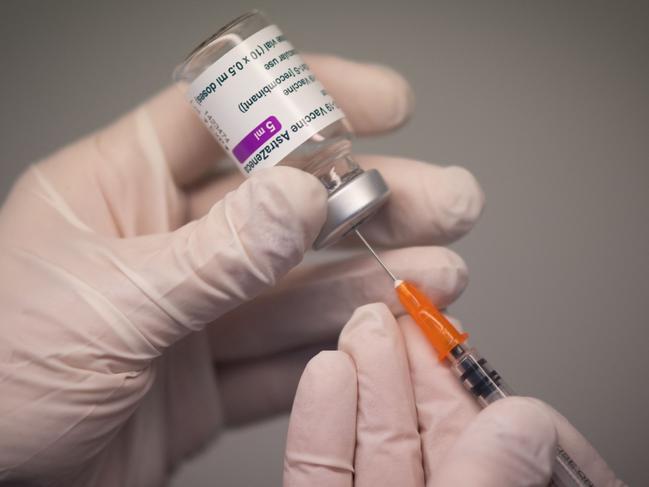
[(374, 98), (580, 450), (429, 204), (249, 240), (511, 443), (444, 408), (322, 429), (312, 302), (387, 441)]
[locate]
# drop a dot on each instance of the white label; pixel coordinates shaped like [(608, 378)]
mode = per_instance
[(261, 100)]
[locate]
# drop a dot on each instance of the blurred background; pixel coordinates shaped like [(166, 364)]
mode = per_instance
[(547, 103)]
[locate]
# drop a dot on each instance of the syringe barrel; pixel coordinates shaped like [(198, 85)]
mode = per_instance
[(567, 473), (477, 376)]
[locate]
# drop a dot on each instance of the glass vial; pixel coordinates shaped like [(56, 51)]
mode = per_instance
[(263, 104)]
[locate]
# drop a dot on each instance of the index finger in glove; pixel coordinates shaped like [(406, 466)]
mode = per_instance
[(375, 98), (429, 203)]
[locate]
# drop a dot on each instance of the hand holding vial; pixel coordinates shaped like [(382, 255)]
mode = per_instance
[(129, 271)]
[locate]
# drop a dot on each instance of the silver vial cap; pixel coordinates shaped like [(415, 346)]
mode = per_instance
[(351, 205)]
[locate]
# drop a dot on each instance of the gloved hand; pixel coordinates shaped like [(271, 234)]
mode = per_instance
[(382, 410), (117, 252)]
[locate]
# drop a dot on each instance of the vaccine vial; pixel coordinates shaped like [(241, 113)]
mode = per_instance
[(265, 107)]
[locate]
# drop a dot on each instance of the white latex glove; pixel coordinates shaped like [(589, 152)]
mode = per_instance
[(383, 411), (115, 248)]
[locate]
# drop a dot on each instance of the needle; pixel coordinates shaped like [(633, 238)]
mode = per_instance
[(394, 278)]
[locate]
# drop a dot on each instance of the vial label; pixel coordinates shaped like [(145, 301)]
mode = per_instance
[(261, 100)]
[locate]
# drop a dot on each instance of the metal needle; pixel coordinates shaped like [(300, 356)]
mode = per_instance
[(375, 255)]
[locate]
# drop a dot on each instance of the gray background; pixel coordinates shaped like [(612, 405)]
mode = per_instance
[(546, 102)]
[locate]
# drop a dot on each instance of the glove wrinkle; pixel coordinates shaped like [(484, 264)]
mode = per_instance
[(297, 460), (55, 200)]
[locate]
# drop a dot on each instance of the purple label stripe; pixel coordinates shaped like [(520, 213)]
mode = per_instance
[(256, 138)]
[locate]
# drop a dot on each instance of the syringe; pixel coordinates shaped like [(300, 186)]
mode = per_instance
[(473, 371)]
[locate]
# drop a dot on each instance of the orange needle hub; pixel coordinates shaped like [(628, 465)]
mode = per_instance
[(438, 330)]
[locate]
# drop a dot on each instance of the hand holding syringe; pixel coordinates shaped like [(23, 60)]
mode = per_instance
[(473, 371)]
